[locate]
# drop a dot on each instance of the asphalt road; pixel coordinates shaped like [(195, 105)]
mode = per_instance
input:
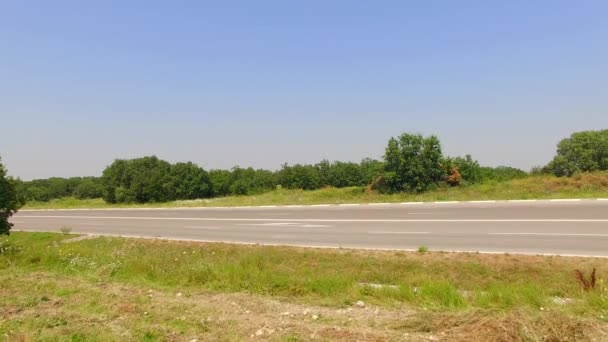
[(547, 227)]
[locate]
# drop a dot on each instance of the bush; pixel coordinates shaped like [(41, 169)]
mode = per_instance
[(9, 203)]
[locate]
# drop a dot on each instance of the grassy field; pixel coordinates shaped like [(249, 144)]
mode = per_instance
[(55, 287), (590, 185)]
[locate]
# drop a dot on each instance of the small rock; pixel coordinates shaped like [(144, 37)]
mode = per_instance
[(542, 309), (376, 312), (360, 303), (247, 312), (179, 294), (315, 317), (260, 332), (194, 340), (286, 313), (145, 312)]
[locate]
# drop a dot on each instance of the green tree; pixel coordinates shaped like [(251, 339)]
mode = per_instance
[(298, 176), (188, 181), (220, 182), (412, 164), (88, 187), (138, 180), (582, 151), (9, 203)]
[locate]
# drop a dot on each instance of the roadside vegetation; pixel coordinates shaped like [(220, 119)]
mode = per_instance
[(583, 185), (113, 288), (414, 169)]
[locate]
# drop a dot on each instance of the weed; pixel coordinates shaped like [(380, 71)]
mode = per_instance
[(587, 284), (423, 249)]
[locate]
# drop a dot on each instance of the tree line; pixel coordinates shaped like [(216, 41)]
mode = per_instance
[(412, 163)]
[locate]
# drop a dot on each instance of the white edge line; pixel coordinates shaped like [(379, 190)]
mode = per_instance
[(257, 219), (380, 232), (551, 234), (324, 205), (337, 247)]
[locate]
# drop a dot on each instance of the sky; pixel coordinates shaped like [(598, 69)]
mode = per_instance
[(261, 83)]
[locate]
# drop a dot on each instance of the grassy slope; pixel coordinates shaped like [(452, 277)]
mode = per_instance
[(52, 290), (592, 185)]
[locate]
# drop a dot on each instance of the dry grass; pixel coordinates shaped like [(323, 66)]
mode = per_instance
[(45, 306)]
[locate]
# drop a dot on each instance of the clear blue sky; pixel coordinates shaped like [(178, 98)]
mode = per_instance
[(259, 83)]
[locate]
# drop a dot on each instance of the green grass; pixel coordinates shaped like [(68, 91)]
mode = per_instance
[(96, 279), (330, 277), (590, 185)]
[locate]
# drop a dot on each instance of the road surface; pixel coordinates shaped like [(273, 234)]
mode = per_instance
[(543, 227)]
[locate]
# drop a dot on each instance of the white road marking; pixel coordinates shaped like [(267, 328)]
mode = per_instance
[(551, 234), (285, 224), (389, 232), (565, 200), (349, 204), (331, 246), (199, 227), (308, 205), (310, 220)]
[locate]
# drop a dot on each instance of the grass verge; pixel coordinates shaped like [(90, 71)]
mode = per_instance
[(130, 289), (588, 185)]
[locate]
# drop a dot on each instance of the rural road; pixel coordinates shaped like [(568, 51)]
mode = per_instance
[(567, 227)]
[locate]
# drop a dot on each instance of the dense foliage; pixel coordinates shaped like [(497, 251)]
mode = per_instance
[(55, 187), (9, 202), (412, 163), (582, 151)]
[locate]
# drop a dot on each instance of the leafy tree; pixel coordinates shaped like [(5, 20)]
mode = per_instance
[(582, 151), (89, 187), (412, 164), (188, 181), (9, 203), (220, 182), (138, 180), (298, 176), (370, 170)]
